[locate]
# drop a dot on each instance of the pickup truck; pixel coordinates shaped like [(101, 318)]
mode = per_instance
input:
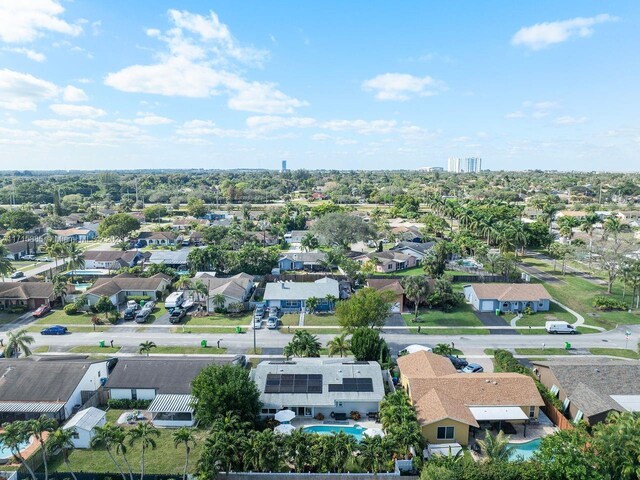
[(177, 314)]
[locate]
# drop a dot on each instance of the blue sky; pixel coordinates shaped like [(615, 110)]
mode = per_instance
[(332, 84)]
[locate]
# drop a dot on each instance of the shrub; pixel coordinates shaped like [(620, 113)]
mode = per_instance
[(113, 317), (71, 309), (125, 404), (528, 311), (355, 415), (138, 298), (319, 416), (602, 302)]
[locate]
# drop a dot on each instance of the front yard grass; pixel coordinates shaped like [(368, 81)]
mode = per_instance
[(409, 272), (164, 459), (94, 349), (213, 319), (189, 350), (451, 331), (461, 316), (290, 319), (321, 320), (540, 351), (40, 349), (73, 328), (616, 352), (201, 330), (9, 317), (539, 319)]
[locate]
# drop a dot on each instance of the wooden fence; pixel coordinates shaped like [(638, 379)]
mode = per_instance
[(556, 416)]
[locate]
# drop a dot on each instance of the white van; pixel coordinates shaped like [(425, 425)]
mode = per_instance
[(174, 300), (559, 327)]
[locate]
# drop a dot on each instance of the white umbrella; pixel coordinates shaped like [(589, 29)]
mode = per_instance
[(284, 429), (373, 432), (285, 416)]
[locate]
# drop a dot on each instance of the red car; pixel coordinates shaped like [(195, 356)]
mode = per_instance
[(41, 311)]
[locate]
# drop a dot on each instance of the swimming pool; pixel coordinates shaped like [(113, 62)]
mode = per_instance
[(6, 453), (87, 273), (524, 451), (81, 287), (354, 430)]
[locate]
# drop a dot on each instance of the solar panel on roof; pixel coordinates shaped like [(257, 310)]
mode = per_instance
[(352, 385), (290, 383)]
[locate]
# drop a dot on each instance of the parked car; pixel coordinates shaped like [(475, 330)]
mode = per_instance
[(177, 314), (41, 311), (133, 304), (559, 327), (259, 312), (29, 257), (257, 323), (273, 311), (17, 274), (54, 330), (150, 305), (473, 368), (142, 315), (140, 244), (272, 322), (44, 259), (130, 313), (459, 363)]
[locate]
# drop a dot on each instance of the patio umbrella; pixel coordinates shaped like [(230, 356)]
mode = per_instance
[(285, 416), (373, 432), (284, 429)]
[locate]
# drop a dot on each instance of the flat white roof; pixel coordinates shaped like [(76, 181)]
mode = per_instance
[(498, 413)]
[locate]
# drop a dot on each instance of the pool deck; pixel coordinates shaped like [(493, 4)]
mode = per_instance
[(32, 448), (300, 422)]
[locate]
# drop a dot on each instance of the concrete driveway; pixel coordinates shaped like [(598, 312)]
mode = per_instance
[(490, 319), (395, 320)]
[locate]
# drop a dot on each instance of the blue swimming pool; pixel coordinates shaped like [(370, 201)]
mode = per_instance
[(354, 430), (6, 453), (524, 451)]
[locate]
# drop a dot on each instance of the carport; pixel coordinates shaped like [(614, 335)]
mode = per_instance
[(500, 414)]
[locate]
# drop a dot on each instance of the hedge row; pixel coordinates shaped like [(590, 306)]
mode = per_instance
[(126, 404)]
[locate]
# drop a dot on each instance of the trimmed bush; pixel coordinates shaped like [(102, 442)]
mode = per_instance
[(139, 298), (607, 303), (71, 309), (125, 404)]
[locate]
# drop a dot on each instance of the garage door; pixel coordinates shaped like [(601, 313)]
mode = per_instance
[(486, 305)]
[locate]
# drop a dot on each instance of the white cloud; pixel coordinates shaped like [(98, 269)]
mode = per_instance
[(542, 35), (569, 120), (74, 94), (151, 119), (273, 122), (402, 86), (320, 137), (88, 131), (205, 128), (516, 114), (30, 54), (23, 21), (87, 111), (364, 127), (21, 91), (263, 98)]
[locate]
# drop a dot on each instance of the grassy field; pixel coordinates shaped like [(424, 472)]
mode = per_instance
[(40, 349), (24, 266), (321, 320), (539, 319), (94, 349), (540, 351), (164, 459), (213, 319), (616, 352), (313, 331), (290, 319), (73, 328), (578, 294), (410, 272), (189, 350), (461, 316), (451, 331), (202, 330)]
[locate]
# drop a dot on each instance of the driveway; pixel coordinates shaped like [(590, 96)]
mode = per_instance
[(490, 319), (395, 320)]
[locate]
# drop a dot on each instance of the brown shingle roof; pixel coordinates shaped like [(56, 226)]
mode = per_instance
[(386, 285), (435, 406), (424, 365), (507, 292), (111, 286), (25, 290), (110, 255)]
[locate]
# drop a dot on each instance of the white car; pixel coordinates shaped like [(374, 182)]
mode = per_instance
[(257, 323), (272, 322)]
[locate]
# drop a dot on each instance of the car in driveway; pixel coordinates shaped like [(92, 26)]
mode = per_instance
[(130, 313), (41, 311), (54, 330), (272, 322), (28, 257), (273, 311), (142, 315), (177, 314), (458, 362), (473, 368), (257, 323), (259, 312), (17, 274)]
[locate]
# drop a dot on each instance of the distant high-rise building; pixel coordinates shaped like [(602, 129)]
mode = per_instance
[(284, 166), (454, 164), (472, 165)]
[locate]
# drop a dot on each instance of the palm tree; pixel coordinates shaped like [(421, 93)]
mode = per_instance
[(146, 347), (61, 440), (262, 451), (219, 300), (13, 436), (201, 290), (106, 436), (343, 447), (416, 289), (331, 300), (17, 342), (60, 287), (119, 440), (143, 433), (75, 258), (339, 345), (312, 304), (443, 349), (183, 283), (184, 436), (38, 427), (303, 344), (374, 453), (6, 268), (297, 447), (309, 242), (588, 226), (495, 449)]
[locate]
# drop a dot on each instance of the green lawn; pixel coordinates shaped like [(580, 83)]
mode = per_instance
[(189, 350), (8, 317), (313, 331), (539, 319), (40, 349), (73, 328), (94, 349), (213, 319), (616, 352), (164, 459), (451, 331), (291, 319), (461, 316), (321, 320), (24, 266), (578, 294), (540, 351), (202, 330), (410, 272), (58, 317)]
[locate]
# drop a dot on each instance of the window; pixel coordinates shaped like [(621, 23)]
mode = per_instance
[(269, 411), (307, 412), (338, 404), (532, 412), (554, 390), (134, 394), (579, 416), (75, 435), (446, 433)]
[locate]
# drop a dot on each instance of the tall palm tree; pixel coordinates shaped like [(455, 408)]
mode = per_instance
[(146, 347), (343, 447), (331, 300), (60, 287), (13, 436), (312, 304), (184, 436), (219, 300), (143, 433), (297, 447), (374, 454), (495, 448), (339, 345), (38, 428), (18, 342), (61, 440), (6, 268), (183, 283), (106, 436), (303, 344), (119, 440), (201, 290), (262, 452), (75, 257), (416, 289)]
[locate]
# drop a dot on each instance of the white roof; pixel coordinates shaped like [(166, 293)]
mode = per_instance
[(417, 348), (166, 403), (302, 290), (631, 403), (498, 413), (445, 449), (86, 419)]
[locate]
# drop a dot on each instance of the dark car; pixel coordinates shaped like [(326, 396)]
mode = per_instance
[(41, 311), (130, 313), (473, 368), (54, 330), (459, 363), (177, 314), (17, 274)]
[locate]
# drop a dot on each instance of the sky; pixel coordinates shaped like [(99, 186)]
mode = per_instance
[(89, 84)]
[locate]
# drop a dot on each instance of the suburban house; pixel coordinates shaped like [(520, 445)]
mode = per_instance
[(312, 386), (578, 215), (236, 289), (302, 261), (408, 233), (25, 294), (507, 297), (112, 259), (389, 285), (389, 261), (264, 238), (292, 296), (17, 250), (125, 285), (415, 249), (177, 259), (295, 236), (451, 406), (160, 238), (49, 386), (75, 234), (84, 423), (186, 223), (590, 389)]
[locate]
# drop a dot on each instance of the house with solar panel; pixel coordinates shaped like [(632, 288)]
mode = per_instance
[(312, 386)]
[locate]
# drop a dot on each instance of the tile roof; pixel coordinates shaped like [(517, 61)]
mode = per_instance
[(386, 285), (506, 292), (21, 246)]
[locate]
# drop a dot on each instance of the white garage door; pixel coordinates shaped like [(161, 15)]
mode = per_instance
[(486, 305)]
